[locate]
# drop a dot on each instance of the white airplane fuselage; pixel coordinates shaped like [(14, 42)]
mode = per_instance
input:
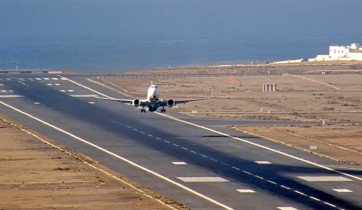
[(153, 93)]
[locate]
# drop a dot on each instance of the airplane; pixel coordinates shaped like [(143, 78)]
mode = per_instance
[(152, 102)]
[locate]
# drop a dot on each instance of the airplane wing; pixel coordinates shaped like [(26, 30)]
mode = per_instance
[(189, 100), (172, 103), (126, 101)]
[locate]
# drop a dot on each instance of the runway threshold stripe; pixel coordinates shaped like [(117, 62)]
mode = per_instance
[(324, 178), (119, 157), (263, 162), (179, 163), (202, 179), (245, 191)]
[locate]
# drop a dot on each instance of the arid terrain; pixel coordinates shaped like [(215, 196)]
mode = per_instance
[(316, 93), (36, 175)]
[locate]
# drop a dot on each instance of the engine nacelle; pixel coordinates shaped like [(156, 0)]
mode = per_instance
[(170, 103), (136, 102)]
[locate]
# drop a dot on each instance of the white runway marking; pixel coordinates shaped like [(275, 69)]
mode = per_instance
[(49, 84), (343, 190), (71, 91), (299, 192), (83, 95), (287, 208), (314, 198), (46, 78), (120, 157), (202, 179), (3, 91), (36, 103), (38, 79), (245, 191), (324, 178), (285, 187), (236, 168), (179, 163), (11, 96), (271, 182), (54, 78), (62, 91), (261, 162), (57, 84), (91, 102), (259, 177)]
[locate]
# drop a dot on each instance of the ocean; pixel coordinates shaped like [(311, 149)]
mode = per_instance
[(110, 35)]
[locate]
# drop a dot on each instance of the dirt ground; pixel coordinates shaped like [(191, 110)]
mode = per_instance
[(342, 143), (35, 175), (330, 92)]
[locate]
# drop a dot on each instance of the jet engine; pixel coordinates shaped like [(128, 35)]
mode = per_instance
[(136, 102), (170, 103)]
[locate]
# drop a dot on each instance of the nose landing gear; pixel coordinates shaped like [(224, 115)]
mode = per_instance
[(143, 110)]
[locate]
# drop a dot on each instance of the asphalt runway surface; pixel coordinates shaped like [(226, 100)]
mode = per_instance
[(198, 162)]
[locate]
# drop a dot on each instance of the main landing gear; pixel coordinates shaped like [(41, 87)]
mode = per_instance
[(163, 110), (143, 110)]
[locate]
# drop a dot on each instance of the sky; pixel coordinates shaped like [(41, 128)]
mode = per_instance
[(63, 23)]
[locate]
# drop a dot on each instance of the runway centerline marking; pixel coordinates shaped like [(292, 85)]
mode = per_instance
[(119, 157)]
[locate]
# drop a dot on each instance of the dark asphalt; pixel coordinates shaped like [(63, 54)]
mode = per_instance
[(154, 142)]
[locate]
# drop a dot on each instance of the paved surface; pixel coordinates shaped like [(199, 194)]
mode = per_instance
[(207, 167)]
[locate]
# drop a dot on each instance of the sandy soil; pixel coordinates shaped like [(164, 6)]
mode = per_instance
[(332, 92), (35, 175)]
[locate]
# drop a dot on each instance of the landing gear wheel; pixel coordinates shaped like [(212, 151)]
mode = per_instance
[(163, 110), (143, 110)]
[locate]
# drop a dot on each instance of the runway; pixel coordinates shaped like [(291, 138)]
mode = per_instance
[(197, 162)]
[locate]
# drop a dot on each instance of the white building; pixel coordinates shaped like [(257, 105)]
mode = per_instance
[(352, 52)]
